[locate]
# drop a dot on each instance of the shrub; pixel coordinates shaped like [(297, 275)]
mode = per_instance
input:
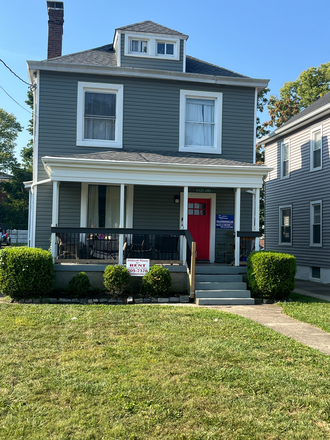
[(26, 272), (157, 281), (79, 285), (116, 278), (271, 274)]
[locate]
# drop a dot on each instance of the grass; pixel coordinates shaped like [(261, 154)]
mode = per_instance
[(307, 309), (155, 372)]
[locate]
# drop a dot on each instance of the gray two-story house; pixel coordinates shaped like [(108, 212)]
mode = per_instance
[(297, 197), (137, 135)]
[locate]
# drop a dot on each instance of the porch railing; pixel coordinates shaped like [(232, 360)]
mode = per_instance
[(247, 244)]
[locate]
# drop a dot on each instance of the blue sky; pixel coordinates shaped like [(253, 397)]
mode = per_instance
[(260, 39)]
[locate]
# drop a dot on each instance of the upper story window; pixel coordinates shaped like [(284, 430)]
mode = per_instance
[(285, 159), (150, 46), (316, 223), (285, 223), (99, 115), (138, 46), (200, 122), (316, 149)]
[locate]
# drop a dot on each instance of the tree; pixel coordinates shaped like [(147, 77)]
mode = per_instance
[(14, 208), (295, 96), (9, 129)]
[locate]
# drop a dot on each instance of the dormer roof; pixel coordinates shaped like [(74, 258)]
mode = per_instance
[(150, 27)]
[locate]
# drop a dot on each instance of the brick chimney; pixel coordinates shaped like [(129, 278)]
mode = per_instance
[(55, 29)]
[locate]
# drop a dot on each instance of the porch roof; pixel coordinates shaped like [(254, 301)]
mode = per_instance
[(149, 168)]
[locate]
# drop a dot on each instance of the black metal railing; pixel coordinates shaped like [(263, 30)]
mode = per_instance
[(103, 243), (247, 244)]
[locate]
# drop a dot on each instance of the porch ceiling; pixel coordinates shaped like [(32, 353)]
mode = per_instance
[(146, 168)]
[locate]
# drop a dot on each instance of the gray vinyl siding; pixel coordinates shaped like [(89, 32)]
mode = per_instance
[(151, 63), (69, 204), (150, 123), (298, 190)]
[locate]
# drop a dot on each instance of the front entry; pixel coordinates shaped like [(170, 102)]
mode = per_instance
[(199, 225)]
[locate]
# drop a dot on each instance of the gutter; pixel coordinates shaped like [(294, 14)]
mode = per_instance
[(146, 73)]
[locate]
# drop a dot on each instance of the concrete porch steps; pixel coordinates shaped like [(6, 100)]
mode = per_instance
[(221, 285)]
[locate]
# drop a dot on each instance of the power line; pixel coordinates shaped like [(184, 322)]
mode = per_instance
[(32, 87), (15, 100)]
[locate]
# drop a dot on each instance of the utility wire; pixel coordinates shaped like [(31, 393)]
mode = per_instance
[(32, 87), (15, 100)]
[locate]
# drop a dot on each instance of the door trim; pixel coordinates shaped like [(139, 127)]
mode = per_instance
[(213, 198)]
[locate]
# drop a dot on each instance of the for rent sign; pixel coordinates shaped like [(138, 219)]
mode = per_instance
[(137, 267)]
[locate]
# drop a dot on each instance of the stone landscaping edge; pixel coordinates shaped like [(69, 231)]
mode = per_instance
[(173, 299)]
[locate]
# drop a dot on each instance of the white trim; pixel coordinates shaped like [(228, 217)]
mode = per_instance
[(36, 97), (141, 34), (280, 208), (34, 218), (176, 49), (184, 222), (256, 215), (213, 198), (217, 98), (136, 173), (152, 40), (129, 206), (119, 50), (55, 211), (84, 205), (255, 126), (311, 222), (121, 223), (312, 131), (147, 73), (237, 224), (184, 55), (117, 89), (285, 142)]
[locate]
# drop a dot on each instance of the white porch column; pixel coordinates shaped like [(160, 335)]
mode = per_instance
[(84, 205), (56, 186), (237, 224), (121, 223), (185, 222), (257, 216), (129, 206)]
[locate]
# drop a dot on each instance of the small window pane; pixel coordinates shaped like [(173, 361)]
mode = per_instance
[(190, 211), (196, 205), (316, 234), (196, 212), (286, 225), (317, 158), (316, 272), (317, 140), (203, 206), (161, 48), (169, 49), (203, 212), (190, 205)]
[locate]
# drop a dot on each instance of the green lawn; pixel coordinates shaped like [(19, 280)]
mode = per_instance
[(147, 372), (307, 309)]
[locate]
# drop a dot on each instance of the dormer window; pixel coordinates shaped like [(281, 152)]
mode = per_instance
[(138, 46), (165, 48)]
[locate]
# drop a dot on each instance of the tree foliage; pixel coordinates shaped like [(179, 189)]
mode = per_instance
[(295, 96), (9, 129)]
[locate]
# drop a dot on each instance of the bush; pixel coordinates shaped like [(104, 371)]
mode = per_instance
[(157, 281), (116, 278), (271, 274), (26, 272), (79, 285)]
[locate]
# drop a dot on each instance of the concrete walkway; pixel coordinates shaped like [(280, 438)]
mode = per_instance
[(271, 315), (310, 288)]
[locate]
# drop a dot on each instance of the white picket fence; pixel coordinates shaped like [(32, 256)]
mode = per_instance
[(18, 235)]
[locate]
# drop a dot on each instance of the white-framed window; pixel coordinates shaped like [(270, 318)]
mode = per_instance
[(285, 225), (152, 46), (200, 121), (316, 149), (285, 159), (138, 46), (316, 223), (100, 115)]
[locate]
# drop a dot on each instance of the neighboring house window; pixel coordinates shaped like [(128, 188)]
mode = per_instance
[(103, 206), (316, 149), (200, 121), (285, 159), (316, 223), (138, 46), (100, 115), (285, 236)]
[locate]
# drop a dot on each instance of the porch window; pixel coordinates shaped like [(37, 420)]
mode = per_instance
[(285, 225), (100, 115), (200, 122), (316, 149), (316, 223), (103, 206)]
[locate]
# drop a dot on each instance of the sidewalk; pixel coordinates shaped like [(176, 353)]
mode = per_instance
[(310, 288)]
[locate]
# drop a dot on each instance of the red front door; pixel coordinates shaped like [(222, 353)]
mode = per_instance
[(199, 226)]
